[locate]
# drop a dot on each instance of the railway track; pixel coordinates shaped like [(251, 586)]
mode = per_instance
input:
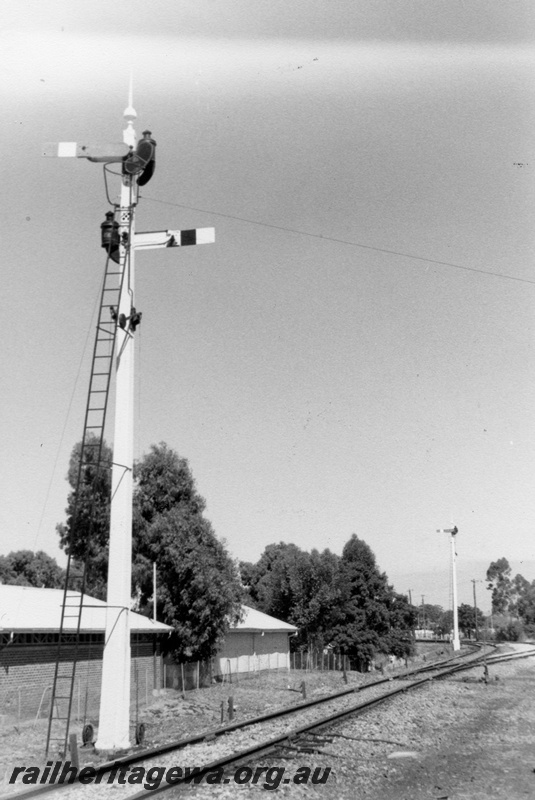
[(268, 733)]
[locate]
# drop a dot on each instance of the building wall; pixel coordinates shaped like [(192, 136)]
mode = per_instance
[(241, 652), (252, 652), (27, 674)]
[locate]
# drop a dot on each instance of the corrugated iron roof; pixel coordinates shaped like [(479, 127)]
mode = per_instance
[(254, 620), (29, 609)]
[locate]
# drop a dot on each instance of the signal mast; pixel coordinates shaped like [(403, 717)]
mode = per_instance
[(120, 240), (456, 642)]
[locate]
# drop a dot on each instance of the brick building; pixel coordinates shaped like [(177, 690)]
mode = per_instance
[(29, 635)]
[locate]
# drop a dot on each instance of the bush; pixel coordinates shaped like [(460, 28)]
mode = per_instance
[(512, 632)]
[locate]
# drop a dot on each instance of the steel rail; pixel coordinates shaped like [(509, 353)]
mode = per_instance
[(271, 746), (143, 755)]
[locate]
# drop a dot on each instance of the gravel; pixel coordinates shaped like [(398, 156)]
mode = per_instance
[(427, 744)]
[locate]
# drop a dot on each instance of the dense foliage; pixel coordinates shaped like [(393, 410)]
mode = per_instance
[(26, 568), (198, 586), (85, 533), (198, 590), (498, 576), (343, 601), (513, 598)]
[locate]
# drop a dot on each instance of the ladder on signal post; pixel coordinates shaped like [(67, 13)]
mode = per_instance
[(90, 470)]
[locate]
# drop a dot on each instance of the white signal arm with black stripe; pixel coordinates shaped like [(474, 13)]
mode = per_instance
[(150, 240)]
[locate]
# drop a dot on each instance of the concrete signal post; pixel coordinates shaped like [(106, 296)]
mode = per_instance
[(137, 167), (456, 643)]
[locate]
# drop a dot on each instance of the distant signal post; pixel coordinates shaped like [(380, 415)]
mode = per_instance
[(453, 533)]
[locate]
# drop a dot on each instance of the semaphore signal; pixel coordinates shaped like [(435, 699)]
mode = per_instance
[(118, 320)]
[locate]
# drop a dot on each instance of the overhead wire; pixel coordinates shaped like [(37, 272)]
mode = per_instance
[(338, 240)]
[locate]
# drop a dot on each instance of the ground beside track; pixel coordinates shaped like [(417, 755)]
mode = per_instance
[(457, 739), (473, 741), (171, 716), (467, 740)]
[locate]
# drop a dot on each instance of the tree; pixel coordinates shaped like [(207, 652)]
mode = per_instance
[(345, 602), (467, 618), (199, 592), (274, 582), (163, 481), (402, 621), (499, 581), (26, 568), (321, 610), (198, 588), (520, 591), (430, 616), (298, 587), (369, 624), (85, 534)]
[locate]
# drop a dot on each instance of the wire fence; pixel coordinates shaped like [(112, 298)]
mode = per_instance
[(31, 701)]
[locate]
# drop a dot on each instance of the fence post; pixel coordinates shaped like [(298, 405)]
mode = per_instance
[(73, 747), (182, 676)]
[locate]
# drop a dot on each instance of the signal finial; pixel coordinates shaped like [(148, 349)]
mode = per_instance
[(129, 134)]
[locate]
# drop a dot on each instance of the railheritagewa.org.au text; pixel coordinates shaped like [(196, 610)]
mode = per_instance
[(60, 772)]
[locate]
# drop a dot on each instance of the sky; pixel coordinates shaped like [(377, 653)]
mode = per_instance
[(355, 353)]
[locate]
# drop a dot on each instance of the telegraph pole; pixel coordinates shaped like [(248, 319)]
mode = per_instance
[(475, 607), (424, 622), (453, 533)]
